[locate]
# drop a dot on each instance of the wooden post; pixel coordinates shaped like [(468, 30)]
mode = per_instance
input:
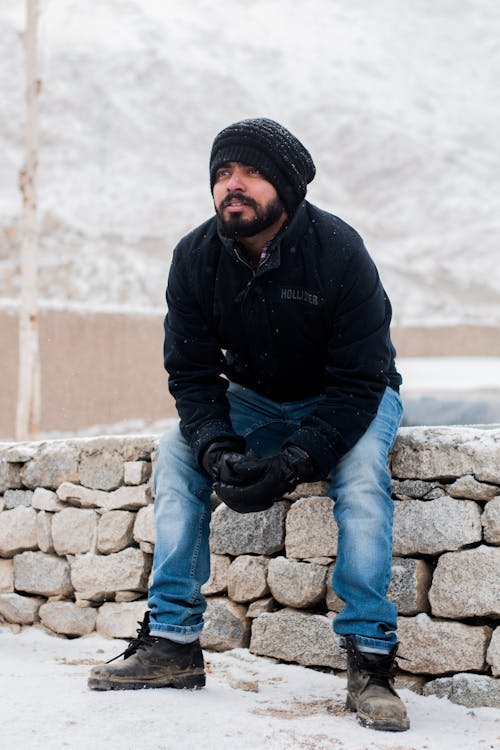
[(28, 401)]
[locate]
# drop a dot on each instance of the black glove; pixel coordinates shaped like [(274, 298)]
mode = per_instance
[(211, 458), (255, 483)]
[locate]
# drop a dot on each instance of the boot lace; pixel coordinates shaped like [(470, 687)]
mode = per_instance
[(142, 641), (380, 669)]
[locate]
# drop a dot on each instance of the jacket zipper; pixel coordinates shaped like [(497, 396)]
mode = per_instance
[(247, 264)]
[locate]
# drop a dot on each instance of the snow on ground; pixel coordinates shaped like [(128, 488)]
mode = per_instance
[(46, 705)]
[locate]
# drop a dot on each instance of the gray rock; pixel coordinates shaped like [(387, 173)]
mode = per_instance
[(297, 584), (410, 584), (446, 453), (10, 475), (472, 690), (124, 498), (128, 596), (15, 498), (247, 578), (257, 608), (434, 526), (144, 526), (297, 637), (20, 609), (46, 500), (44, 531), (416, 488), (309, 489), (136, 472), (68, 619), (467, 584), (311, 530), (435, 494), (439, 646), (74, 531), (21, 453), (412, 682), (98, 577), (17, 531), (333, 602), (226, 625), (469, 488), (101, 470), (491, 521), (130, 448), (250, 533), (493, 653), (40, 573), (120, 620), (115, 531), (6, 576), (53, 463), (217, 583), (154, 462)]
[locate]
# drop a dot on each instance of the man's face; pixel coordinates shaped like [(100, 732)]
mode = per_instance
[(245, 202)]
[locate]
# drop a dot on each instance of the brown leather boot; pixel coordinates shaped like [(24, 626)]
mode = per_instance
[(370, 689), (150, 662)]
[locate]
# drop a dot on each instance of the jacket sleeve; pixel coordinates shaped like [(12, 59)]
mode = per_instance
[(358, 360), (194, 362)]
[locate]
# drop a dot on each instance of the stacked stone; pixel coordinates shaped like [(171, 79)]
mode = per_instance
[(77, 534)]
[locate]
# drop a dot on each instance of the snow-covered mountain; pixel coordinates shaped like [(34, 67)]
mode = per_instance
[(397, 102)]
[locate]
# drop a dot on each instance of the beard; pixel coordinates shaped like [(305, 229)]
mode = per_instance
[(264, 216)]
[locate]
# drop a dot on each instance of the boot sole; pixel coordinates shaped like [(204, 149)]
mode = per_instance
[(381, 725), (182, 682)]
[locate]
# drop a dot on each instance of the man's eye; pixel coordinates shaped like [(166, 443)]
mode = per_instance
[(253, 170), (221, 173)]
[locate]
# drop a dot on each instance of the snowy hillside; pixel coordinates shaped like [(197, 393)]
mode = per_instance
[(397, 103)]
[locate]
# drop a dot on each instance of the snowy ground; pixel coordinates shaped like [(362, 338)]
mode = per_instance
[(46, 704)]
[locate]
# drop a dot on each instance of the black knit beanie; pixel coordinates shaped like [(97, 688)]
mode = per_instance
[(273, 150)]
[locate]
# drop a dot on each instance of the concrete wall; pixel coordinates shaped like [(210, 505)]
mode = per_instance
[(77, 536), (105, 367), (97, 368)]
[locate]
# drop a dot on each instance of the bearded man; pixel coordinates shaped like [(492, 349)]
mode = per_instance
[(279, 357)]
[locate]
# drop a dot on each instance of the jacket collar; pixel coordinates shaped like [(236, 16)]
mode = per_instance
[(285, 239)]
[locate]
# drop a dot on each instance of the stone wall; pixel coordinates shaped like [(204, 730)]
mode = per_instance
[(77, 536)]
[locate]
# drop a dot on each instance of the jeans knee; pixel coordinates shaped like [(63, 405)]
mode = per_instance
[(169, 444), (177, 472)]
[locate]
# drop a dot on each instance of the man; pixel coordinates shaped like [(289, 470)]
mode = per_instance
[(279, 357)]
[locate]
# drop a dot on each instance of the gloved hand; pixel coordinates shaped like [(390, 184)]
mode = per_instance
[(248, 484), (211, 458)]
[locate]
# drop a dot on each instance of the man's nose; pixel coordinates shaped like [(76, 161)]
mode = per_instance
[(235, 182)]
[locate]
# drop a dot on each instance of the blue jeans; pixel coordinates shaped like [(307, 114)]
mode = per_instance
[(363, 509)]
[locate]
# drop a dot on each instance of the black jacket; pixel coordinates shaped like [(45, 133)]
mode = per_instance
[(313, 319)]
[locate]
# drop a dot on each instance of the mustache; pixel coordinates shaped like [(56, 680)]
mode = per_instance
[(247, 201)]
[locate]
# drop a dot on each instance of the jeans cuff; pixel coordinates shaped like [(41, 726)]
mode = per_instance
[(176, 632), (370, 645)]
